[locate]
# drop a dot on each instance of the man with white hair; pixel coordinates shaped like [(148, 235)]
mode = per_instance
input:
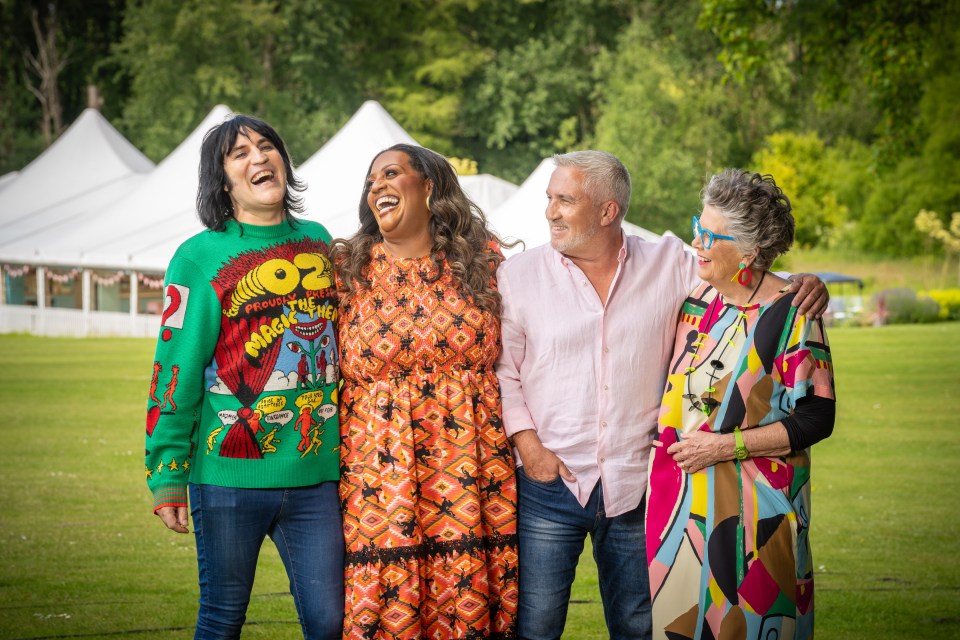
[(588, 327)]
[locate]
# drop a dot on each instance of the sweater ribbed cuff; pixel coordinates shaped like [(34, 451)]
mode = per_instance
[(169, 496)]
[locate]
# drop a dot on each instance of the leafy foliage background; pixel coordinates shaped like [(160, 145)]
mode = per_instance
[(853, 106)]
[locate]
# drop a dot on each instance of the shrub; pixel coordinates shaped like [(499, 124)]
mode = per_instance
[(904, 306), (949, 301)]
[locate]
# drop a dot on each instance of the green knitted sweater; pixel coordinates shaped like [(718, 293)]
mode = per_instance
[(244, 386)]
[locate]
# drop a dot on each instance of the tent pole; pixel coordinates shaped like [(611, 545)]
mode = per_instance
[(41, 288), (134, 302), (85, 300), (41, 324), (3, 284), (86, 291)]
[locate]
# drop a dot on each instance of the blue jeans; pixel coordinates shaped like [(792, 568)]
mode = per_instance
[(552, 527), (230, 526)]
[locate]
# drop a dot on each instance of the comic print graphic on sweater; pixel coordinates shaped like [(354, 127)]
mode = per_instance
[(244, 385)]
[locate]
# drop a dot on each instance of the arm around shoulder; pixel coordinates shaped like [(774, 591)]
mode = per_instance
[(811, 295)]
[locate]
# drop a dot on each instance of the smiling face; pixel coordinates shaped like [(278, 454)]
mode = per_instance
[(573, 216), (719, 263), (256, 179), (397, 195)]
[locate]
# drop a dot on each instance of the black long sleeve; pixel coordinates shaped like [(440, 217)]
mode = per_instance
[(811, 422)]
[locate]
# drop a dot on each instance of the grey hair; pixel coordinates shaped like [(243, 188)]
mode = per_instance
[(604, 176), (757, 212)]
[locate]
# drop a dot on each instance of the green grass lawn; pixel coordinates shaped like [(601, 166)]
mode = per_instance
[(83, 557)]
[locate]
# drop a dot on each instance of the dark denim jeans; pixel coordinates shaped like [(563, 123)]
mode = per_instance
[(230, 526), (552, 527)]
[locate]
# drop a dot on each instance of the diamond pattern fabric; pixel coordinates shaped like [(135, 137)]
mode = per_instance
[(427, 475)]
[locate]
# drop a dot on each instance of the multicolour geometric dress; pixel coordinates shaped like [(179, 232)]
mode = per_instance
[(728, 546), (427, 474)]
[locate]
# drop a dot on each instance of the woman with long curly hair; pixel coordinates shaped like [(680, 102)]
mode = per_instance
[(427, 476)]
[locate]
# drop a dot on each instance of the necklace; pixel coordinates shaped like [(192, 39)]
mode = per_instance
[(709, 403), (759, 282), (716, 366)]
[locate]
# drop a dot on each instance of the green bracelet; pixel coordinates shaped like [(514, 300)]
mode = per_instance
[(740, 449)]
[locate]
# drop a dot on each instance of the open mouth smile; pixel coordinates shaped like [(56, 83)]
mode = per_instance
[(387, 203), (262, 177)]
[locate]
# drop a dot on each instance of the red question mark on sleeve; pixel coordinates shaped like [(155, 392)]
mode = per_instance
[(173, 303)]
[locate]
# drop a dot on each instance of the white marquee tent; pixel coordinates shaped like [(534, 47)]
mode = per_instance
[(7, 178), (335, 174), (136, 221), (138, 231), (92, 204), (164, 209), (158, 209), (486, 191), (88, 167)]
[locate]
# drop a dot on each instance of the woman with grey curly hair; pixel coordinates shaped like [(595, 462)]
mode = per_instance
[(427, 476), (749, 390)]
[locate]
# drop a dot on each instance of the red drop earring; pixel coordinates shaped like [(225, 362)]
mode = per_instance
[(743, 275)]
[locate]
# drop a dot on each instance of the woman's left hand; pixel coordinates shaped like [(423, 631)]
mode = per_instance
[(701, 449)]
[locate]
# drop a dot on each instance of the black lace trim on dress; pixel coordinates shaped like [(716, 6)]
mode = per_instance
[(431, 549)]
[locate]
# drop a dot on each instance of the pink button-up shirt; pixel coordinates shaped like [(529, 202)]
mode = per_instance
[(589, 377)]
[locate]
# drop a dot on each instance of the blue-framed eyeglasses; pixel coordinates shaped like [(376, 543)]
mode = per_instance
[(706, 236)]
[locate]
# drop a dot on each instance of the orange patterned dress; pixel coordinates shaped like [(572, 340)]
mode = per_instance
[(427, 475)]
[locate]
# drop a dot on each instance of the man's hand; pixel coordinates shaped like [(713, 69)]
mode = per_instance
[(539, 463), (811, 295), (175, 518)]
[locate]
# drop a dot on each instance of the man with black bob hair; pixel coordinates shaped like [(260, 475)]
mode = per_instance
[(246, 337), (214, 203)]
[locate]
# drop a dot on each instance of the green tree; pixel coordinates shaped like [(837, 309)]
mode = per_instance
[(930, 223), (82, 33), (536, 95), (415, 57), (665, 117), (275, 60), (185, 57), (814, 178), (313, 87), (833, 46), (928, 180)]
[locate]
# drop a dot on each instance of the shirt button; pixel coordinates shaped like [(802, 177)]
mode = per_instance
[(603, 459), (603, 424), (606, 349), (605, 387)]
